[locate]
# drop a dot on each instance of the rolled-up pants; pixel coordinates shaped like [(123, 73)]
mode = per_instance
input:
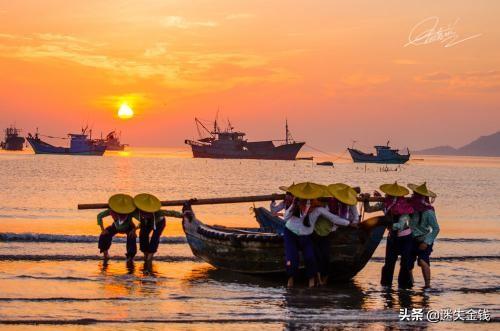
[(295, 244), (106, 239), (147, 244), (397, 246)]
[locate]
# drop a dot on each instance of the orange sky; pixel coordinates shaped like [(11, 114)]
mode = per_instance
[(337, 69)]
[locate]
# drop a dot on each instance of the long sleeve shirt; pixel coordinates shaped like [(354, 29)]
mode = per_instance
[(296, 224), (277, 207), (120, 223), (158, 215), (425, 225), (353, 214)]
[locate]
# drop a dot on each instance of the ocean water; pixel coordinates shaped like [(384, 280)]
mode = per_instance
[(51, 275)]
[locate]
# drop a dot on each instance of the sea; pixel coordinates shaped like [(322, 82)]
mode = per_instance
[(52, 276)]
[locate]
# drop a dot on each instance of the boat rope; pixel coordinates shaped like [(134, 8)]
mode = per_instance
[(329, 154)]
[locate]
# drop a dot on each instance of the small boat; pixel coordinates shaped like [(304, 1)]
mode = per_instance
[(385, 155), (325, 163), (305, 158), (258, 251), (12, 142), (112, 142), (80, 144)]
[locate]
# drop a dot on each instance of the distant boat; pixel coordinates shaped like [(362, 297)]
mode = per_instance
[(229, 144), (80, 144), (112, 142), (385, 155), (325, 163), (12, 142)]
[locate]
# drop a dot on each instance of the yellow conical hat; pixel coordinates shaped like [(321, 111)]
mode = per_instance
[(344, 193), (309, 190), (121, 203), (147, 202), (422, 190), (394, 190)]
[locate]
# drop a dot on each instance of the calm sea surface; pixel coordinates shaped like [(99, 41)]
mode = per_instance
[(51, 273)]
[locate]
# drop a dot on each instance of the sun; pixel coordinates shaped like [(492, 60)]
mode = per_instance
[(125, 112)]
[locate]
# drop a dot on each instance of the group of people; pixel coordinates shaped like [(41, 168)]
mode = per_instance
[(146, 209), (313, 211)]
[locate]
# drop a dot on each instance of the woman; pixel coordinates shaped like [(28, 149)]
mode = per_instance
[(425, 228), (342, 204), (276, 208), (399, 240), (121, 207), (151, 219), (300, 219)]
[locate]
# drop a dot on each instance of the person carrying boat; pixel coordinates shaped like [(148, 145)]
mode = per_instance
[(121, 207), (300, 220), (276, 208), (342, 203), (399, 239), (151, 219), (425, 228)]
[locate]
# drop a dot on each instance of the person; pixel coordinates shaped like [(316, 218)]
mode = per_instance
[(342, 204), (151, 219), (121, 207), (399, 240), (300, 219), (425, 228), (276, 208)]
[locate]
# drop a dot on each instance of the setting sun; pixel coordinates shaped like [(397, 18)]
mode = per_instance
[(125, 112)]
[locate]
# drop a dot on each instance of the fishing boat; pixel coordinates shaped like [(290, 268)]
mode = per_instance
[(325, 163), (80, 144), (261, 251), (112, 142), (384, 155), (230, 144), (12, 140)]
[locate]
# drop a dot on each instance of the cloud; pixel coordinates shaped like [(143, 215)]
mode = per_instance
[(157, 50), (473, 81), (180, 22)]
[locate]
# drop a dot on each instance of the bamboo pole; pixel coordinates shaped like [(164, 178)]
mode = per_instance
[(212, 201)]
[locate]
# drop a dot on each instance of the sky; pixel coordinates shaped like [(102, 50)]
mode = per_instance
[(339, 71)]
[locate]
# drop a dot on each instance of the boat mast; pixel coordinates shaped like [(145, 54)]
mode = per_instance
[(287, 133)]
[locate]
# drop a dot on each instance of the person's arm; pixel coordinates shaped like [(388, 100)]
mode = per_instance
[(289, 212), (402, 223), (170, 213), (100, 216), (336, 220), (276, 208), (432, 222), (355, 213), (379, 206)]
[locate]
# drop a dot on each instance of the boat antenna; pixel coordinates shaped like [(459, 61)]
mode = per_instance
[(388, 143), (353, 143), (286, 131)]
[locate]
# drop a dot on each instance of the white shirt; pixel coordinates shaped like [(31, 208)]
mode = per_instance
[(296, 224), (276, 208)]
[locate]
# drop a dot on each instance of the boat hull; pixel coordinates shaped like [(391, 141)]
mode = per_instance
[(13, 144), (360, 157), (263, 253), (41, 147), (283, 152)]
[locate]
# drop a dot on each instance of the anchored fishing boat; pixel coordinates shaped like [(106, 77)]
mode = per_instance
[(259, 251), (384, 155), (229, 144), (80, 144), (12, 140), (112, 142)]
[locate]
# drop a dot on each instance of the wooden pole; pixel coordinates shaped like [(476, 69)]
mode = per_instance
[(212, 201)]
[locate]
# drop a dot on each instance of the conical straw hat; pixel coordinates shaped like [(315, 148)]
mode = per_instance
[(121, 203), (422, 190), (344, 193), (309, 190), (394, 190), (147, 202)]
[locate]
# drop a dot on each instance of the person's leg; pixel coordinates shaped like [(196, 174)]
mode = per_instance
[(306, 246), (425, 264), (144, 231), (405, 245), (155, 238), (131, 243), (291, 255), (324, 262), (105, 240), (391, 257)]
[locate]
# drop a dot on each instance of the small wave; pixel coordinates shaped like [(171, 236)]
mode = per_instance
[(452, 258), (468, 240), (55, 238), (65, 299), (69, 278), (7, 257)]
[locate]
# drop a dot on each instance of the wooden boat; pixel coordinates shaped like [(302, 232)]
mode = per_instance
[(259, 251)]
